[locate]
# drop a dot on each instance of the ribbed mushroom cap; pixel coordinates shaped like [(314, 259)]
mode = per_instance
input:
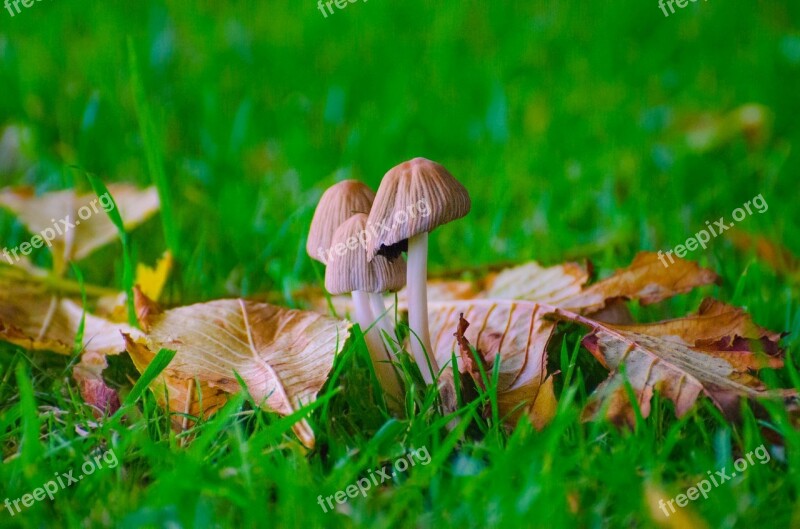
[(338, 203), (414, 197), (348, 269)]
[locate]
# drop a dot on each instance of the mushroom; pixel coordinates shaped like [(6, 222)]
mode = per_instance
[(397, 209), (338, 203), (349, 272)]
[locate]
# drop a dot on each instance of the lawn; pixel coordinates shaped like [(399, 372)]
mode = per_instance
[(582, 130)]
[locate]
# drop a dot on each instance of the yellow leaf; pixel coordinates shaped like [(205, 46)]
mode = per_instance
[(661, 512), (151, 280)]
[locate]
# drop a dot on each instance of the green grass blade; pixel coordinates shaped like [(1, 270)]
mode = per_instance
[(159, 363), (127, 259), (155, 158)]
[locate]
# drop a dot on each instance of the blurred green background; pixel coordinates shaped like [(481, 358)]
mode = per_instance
[(569, 122), (581, 129)]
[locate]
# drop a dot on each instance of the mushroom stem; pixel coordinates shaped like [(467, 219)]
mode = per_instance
[(418, 306), (380, 359), (380, 313)]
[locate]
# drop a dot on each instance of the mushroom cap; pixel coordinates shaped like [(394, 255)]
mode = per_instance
[(348, 269), (414, 197), (337, 204)]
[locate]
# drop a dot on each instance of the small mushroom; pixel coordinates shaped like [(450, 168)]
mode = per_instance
[(397, 209), (349, 271), (338, 203)]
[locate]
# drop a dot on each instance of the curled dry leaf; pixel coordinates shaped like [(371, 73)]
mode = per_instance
[(284, 356), (646, 280), (514, 331), (39, 321), (77, 224), (475, 362), (712, 352)]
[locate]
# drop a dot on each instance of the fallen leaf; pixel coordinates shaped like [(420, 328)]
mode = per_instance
[(284, 356), (670, 516), (716, 350), (517, 333), (711, 352), (533, 282), (151, 280), (681, 359), (646, 280), (720, 329), (77, 224), (475, 364), (37, 320)]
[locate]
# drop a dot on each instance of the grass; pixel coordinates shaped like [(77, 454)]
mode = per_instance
[(568, 124)]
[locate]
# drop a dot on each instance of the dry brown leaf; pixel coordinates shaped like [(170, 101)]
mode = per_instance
[(518, 333), (473, 363), (36, 320), (284, 356), (646, 280), (714, 348), (78, 222), (680, 358), (722, 330), (712, 352), (532, 282)]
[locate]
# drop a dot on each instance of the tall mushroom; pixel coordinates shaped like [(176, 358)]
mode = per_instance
[(398, 210), (349, 271), (338, 203)]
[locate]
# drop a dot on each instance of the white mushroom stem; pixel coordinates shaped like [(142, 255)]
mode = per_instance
[(384, 322), (377, 352), (418, 306)]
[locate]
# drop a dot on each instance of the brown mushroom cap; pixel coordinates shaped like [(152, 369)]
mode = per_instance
[(338, 203), (414, 197), (348, 269)]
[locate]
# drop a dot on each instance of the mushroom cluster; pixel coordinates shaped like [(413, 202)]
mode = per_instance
[(360, 236)]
